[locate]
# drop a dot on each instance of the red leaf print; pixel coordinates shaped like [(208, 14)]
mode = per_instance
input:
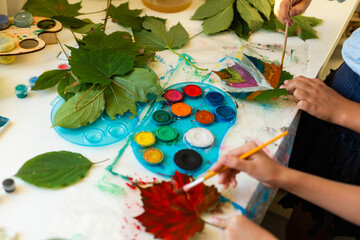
[(169, 215)]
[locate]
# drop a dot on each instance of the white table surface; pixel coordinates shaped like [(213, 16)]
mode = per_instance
[(82, 209)]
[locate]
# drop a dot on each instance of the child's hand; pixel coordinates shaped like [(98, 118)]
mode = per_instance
[(283, 12), (258, 165), (316, 98), (239, 227)]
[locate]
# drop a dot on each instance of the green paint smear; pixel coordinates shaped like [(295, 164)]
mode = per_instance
[(109, 187)]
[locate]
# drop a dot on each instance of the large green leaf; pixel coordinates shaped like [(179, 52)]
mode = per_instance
[(157, 38), (220, 21), (99, 66), (211, 8), (117, 41), (249, 14), (123, 93), (268, 94), (49, 79), (88, 110), (126, 17), (263, 6), (55, 169), (51, 8)]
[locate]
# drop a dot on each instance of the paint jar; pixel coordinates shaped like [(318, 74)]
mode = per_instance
[(9, 185), (214, 98), (23, 19), (7, 44), (21, 91), (173, 95), (145, 139), (166, 134), (32, 81), (199, 137), (188, 159), (161, 117), (4, 22), (224, 113), (181, 110), (153, 156), (204, 117), (167, 6), (192, 91)]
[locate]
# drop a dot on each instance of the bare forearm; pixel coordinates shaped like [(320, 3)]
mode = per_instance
[(350, 116), (338, 198)]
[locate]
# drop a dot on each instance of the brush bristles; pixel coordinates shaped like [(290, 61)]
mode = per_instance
[(188, 186)]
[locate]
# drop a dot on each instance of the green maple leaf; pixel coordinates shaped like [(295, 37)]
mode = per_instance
[(156, 38), (250, 15), (49, 79), (99, 65), (55, 169), (52, 8), (211, 8), (80, 110), (221, 21), (125, 91), (117, 41), (70, 22), (90, 25), (126, 17)]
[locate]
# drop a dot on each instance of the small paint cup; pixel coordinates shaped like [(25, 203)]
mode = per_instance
[(188, 159), (9, 185), (166, 134), (181, 109), (32, 81), (204, 117), (192, 91), (153, 156), (21, 91), (7, 59), (23, 19), (7, 44), (199, 137), (214, 98), (224, 113), (173, 95), (161, 117), (145, 139), (4, 22)]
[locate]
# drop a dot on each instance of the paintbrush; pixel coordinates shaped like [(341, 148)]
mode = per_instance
[(188, 186), (285, 39)]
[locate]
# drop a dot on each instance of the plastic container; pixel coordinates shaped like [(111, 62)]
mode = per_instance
[(167, 6)]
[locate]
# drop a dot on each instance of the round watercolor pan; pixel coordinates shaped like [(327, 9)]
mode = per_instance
[(102, 132), (188, 159), (202, 115)]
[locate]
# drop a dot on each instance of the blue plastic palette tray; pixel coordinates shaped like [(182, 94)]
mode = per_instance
[(103, 131), (209, 155)]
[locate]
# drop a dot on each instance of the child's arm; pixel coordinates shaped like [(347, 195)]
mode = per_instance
[(316, 98), (338, 198)]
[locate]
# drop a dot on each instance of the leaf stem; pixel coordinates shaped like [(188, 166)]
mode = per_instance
[(83, 96), (93, 12), (107, 14), (102, 161), (196, 35), (201, 69), (93, 99), (74, 84), (118, 85), (62, 48)]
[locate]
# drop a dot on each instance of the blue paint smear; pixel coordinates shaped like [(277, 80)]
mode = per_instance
[(234, 204), (264, 198)]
